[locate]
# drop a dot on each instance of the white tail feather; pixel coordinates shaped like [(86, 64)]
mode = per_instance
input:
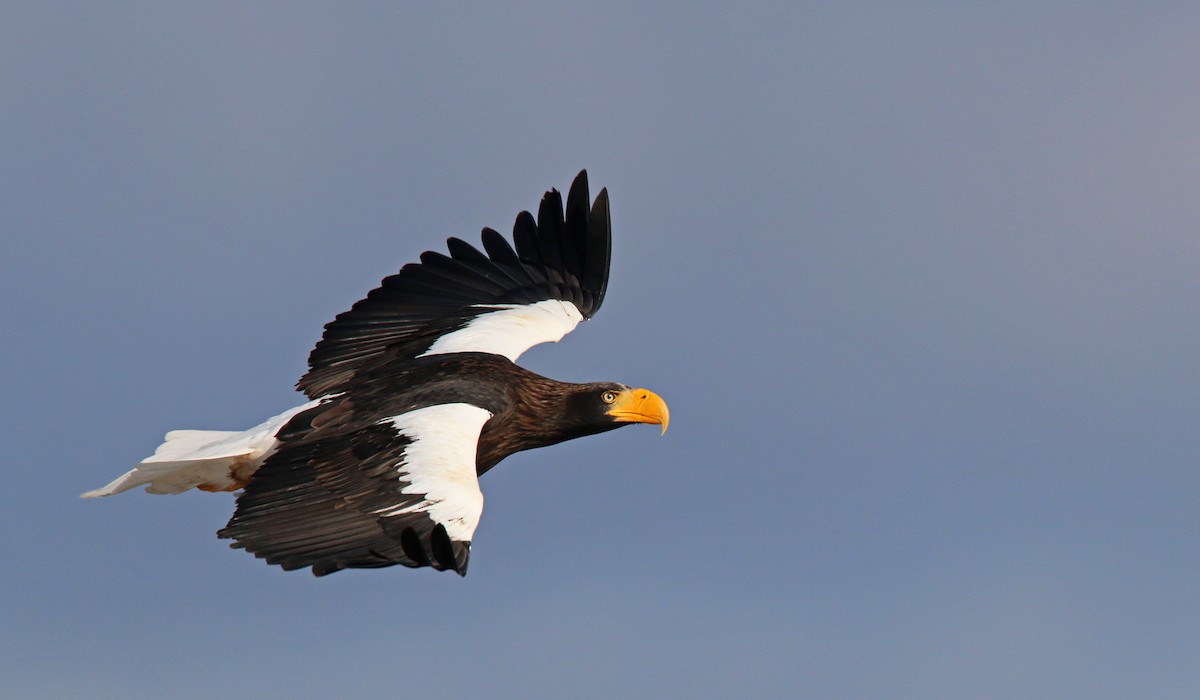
[(216, 460), (184, 444), (173, 477)]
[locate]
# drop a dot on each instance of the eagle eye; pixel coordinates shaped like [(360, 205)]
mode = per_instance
[(608, 396)]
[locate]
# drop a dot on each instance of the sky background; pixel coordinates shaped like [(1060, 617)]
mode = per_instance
[(920, 285)]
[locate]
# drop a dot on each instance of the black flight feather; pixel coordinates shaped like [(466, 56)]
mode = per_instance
[(557, 256)]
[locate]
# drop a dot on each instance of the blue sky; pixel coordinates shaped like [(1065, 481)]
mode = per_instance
[(919, 284)]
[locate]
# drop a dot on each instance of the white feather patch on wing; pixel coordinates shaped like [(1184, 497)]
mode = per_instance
[(440, 464), (215, 458), (511, 329)]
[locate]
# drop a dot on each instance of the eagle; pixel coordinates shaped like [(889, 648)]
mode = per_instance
[(413, 395)]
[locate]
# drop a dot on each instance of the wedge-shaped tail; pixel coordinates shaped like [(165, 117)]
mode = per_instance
[(210, 460)]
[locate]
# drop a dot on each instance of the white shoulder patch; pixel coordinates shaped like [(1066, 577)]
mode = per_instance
[(440, 463), (511, 329)]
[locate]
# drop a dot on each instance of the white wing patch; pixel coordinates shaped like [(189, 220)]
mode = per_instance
[(511, 329), (440, 464), (218, 459)]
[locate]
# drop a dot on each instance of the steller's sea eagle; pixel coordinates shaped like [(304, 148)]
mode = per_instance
[(414, 395)]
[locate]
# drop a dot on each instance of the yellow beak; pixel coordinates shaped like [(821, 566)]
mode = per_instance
[(640, 406)]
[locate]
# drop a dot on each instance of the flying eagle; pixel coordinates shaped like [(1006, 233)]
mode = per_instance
[(414, 395)]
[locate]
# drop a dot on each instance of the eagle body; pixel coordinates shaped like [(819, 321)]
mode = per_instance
[(414, 393)]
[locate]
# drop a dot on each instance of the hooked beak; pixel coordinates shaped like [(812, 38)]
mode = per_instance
[(640, 406)]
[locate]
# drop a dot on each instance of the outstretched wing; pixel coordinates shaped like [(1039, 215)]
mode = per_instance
[(401, 490), (501, 301)]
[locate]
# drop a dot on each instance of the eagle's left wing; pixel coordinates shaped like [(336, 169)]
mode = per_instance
[(501, 300)]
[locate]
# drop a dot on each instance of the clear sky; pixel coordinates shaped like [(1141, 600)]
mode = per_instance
[(919, 283)]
